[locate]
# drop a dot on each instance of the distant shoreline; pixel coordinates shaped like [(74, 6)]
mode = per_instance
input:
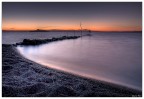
[(69, 31)]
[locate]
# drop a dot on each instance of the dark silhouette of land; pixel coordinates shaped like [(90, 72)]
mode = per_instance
[(57, 30), (39, 30)]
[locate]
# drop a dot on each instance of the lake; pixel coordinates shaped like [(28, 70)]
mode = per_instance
[(110, 57)]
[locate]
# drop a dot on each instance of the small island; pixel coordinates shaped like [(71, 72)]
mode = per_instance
[(39, 30)]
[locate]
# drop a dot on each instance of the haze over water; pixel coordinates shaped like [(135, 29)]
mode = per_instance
[(111, 57)]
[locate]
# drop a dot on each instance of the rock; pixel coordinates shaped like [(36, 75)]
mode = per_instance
[(38, 42)]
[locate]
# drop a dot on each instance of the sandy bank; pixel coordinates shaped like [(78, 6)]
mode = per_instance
[(21, 77)]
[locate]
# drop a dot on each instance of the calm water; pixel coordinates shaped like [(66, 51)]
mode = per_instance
[(111, 57)]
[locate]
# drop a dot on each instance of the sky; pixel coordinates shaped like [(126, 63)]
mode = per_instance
[(97, 16)]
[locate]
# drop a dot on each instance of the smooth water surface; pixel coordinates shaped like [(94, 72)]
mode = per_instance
[(111, 57)]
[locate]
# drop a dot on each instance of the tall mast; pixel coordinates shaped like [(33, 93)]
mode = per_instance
[(81, 28)]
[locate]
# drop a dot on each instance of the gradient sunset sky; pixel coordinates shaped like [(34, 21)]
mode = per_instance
[(98, 16)]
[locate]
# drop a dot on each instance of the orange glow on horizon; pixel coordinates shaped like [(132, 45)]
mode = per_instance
[(108, 28), (103, 26)]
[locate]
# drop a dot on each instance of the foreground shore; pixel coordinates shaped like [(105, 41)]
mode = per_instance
[(21, 77)]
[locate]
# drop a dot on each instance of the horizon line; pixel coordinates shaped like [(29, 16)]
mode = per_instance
[(42, 30)]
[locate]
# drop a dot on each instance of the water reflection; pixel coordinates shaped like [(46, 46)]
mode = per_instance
[(115, 58)]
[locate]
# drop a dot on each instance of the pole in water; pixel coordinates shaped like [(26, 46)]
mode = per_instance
[(67, 34), (81, 28), (74, 32)]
